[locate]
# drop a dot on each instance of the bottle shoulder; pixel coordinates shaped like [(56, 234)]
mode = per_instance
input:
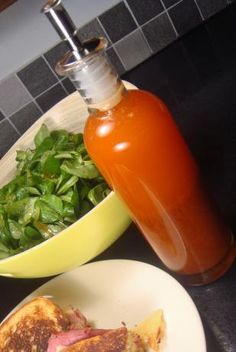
[(135, 105)]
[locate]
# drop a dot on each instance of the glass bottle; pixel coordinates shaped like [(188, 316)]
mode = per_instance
[(135, 143)]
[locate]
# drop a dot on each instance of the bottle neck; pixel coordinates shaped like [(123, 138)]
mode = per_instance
[(95, 79), (111, 101)]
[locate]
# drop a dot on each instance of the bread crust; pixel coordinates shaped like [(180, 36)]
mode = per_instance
[(29, 327), (152, 330), (116, 340)]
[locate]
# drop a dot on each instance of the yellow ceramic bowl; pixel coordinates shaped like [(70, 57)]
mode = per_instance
[(87, 237)]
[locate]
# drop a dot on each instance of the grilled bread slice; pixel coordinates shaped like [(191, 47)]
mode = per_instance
[(116, 340), (29, 327), (151, 330)]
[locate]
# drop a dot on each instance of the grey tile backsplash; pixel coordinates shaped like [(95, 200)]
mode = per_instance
[(116, 61), (37, 77), (118, 22), (8, 135), (12, 85), (166, 32), (93, 29), (185, 16), (134, 29), (68, 85), (145, 10), (25, 117), (210, 7), (52, 55), (133, 49)]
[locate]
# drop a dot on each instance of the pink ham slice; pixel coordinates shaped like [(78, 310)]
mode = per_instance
[(66, 338)]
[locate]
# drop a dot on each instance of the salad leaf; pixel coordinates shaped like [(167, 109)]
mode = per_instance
[(98, 193), (56, 183), (80, 169), (41, 135)]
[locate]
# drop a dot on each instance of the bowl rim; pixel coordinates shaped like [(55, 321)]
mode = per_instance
[(19, 140)]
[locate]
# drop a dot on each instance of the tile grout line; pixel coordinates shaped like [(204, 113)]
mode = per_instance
[(126, 36), (46, 90), (120, 58), (172, 23), (49, 66), (12, 124), (199, 9), (54, 73), (146, 41), (99, 23), (168, 15), (171, 6), (32, 98), (160, 14), (103, 28), (112, 44), (61, 82), (131, 12), (138, 28)]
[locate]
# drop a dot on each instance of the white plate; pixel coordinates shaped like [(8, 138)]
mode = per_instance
[(114, 291)]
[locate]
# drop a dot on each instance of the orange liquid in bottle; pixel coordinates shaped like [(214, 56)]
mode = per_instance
[(139, 150)]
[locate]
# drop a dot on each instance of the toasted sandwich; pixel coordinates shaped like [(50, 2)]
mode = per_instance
[(42, 326), (30, 327), (145, 336)]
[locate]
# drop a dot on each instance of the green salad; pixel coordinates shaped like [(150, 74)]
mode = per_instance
[(56, 183)]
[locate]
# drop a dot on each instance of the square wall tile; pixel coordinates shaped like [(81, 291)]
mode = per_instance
[(133, 49), (55, 54), (117, 22), (92, 29), (68, 85), (8, 136), (145, 10), (185, 16), (37, 77), (51, 97), (159, 32), (25, 117), (13, 95), (211, 7), (115, 61)]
